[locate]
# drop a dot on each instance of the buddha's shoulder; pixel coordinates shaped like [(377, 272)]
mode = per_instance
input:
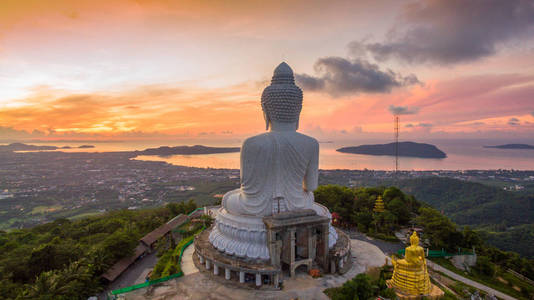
[(267, 138), (307, 139), (257, 140)]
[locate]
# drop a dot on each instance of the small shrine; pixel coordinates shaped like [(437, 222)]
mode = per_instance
[(410, 275), (379, 205)]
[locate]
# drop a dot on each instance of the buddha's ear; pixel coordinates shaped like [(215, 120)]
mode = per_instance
[(298, 118), (267, 121)]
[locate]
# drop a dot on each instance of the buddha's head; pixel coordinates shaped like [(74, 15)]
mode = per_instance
[(282, 100), (414, 239)]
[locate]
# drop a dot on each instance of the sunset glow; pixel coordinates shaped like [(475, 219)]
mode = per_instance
[(175, 69)]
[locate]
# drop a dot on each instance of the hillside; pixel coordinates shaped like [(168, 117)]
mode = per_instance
[(409, 149), (186, 150), (506, 218), (64, 259), (470, 203), (512, 146)]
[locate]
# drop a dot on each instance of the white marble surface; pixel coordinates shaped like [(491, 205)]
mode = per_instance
[(279, 172)]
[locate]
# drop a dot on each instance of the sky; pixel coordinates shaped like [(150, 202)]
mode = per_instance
[(171, 70)]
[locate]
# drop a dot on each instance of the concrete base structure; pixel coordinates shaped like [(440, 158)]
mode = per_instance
[(294, 239)]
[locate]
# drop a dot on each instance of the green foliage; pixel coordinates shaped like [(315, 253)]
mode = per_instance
[(363, 287), (359, 287), (182, 207), (169, 262), (64, 259), (504, 218), (471, 203), (355, 207), (485, 266), (518, 238), (440, 230)]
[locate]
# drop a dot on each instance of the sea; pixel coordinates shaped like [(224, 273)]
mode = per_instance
[(462, 154)]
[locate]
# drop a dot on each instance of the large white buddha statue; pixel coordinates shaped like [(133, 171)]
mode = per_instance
[(279, 172)]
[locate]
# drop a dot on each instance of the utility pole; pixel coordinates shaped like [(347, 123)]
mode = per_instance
[(396, 144)]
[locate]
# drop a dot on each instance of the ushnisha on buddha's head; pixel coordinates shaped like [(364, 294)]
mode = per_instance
[(414, 239), (282, 100)]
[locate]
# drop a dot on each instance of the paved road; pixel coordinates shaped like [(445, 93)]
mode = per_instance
[(387, 247), (135, 274), (188, 267), (468, 281)]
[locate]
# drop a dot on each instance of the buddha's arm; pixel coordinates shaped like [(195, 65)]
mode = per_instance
[(312, 172), (247, 158)]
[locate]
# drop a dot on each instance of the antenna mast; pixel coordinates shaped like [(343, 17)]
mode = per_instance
[(396, 144)]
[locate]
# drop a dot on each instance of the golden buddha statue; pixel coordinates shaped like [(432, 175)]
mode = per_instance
[(410, 275)]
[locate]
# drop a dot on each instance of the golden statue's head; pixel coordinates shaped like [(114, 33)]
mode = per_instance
[(414, 239)]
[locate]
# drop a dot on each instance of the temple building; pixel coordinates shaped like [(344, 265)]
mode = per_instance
[(410, 275), (271, 226)]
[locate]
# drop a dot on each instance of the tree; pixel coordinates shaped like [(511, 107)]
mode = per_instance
[(337, 198), (120, 244), (485, 266), (359, 287), (399, 208)]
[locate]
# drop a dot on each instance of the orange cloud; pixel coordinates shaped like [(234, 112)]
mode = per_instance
[(463, 105), (145, 109)]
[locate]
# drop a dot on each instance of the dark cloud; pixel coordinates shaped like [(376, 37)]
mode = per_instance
[(452, 31), (532, 113), (420, 125), (427, 125), (338, 76), (403, 110), (309, 82), (513, 121)]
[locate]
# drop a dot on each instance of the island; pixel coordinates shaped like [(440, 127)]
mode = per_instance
[(24, 147), (512, 146), (409, 149), (186, 150)]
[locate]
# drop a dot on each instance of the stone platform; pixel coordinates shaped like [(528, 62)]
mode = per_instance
[(259, 274), (209, 260), (435, 293), (204, 285)]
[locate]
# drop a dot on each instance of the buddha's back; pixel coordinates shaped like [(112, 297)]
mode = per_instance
[(279, 171), (278, 167)]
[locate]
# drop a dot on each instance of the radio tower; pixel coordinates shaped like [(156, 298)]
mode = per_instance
[(396, 144)]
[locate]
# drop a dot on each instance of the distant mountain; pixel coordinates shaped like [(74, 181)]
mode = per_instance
[(512, 146), (25, 147), (186, 150), (472, 203), (409, 149)]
